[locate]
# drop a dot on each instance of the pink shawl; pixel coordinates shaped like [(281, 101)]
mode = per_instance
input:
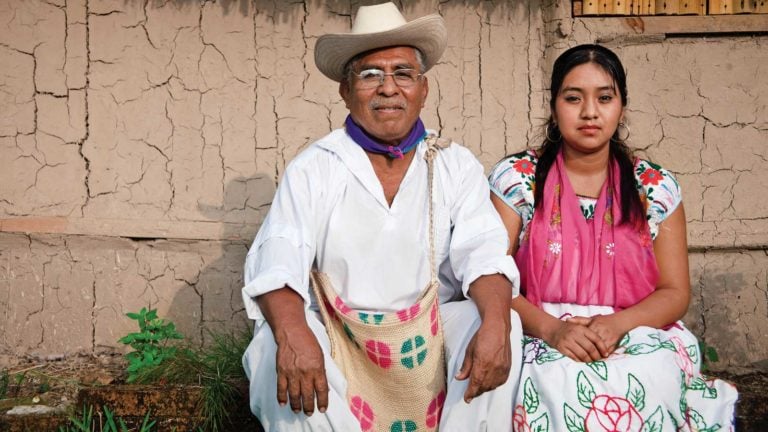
[(564, 258)]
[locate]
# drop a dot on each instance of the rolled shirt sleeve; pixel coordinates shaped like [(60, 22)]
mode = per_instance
[(283, 251), (479, 241)]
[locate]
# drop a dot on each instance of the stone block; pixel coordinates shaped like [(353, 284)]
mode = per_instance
[(729, 307)]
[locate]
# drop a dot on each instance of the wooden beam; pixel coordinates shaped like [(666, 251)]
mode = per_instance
[(150, 229), (671, 25)]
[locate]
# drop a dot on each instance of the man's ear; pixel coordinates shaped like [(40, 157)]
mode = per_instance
[(344, 91), (426, 90)]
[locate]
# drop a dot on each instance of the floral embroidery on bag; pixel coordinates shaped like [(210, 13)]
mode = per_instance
[(409, 360), (379, 353), (435, 410), (403, 426), (362, 412)]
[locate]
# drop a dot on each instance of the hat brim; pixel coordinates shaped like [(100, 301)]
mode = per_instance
[(428, 34)]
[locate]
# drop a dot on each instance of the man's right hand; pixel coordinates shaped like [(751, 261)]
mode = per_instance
[(301, 371), (300, 363)]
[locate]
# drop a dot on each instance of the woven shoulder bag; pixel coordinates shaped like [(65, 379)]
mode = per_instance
[(394, 362)]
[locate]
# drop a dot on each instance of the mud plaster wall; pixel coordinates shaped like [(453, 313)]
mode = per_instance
[(141, 143)]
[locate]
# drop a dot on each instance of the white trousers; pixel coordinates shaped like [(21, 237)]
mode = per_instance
[(491, 411)]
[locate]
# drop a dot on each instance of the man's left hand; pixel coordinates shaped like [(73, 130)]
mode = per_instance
[(487, 360)]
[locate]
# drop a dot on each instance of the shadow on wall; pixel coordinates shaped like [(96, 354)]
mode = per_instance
[(339, 7), (211, 301)]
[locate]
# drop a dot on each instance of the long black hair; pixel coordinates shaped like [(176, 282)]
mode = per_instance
[(631, 207)]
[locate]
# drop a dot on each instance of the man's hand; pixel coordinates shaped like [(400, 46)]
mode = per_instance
[(300, 363), (301, 371), (489, 354), (575, 339), (487, 360)]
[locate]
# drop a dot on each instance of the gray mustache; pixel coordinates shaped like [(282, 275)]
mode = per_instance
[(379, 103)]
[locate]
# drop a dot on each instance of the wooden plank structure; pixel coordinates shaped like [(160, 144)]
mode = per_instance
[(668, 7)]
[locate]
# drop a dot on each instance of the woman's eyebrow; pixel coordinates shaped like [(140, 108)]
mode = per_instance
[(580, 90)]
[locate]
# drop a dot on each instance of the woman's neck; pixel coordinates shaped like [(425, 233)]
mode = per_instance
[(586, 171)]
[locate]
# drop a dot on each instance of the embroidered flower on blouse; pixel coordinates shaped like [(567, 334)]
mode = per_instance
[(651, 176), (555, 248), (524, 166), (609, 249)]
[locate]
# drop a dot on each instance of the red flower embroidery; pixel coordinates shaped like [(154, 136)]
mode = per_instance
[(612, 413), (519, 420), (524, 166), (651, 176), (683, 360)]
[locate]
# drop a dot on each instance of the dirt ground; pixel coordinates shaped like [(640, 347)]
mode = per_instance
[(57, 382)]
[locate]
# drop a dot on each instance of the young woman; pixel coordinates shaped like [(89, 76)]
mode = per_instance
[(600, 241)]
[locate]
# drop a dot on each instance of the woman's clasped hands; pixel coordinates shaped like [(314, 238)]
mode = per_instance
[(586, 339)]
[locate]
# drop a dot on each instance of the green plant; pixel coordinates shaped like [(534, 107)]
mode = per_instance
[(86, 422), (5, 380), (151, 344), (217, 368), (708, 355)]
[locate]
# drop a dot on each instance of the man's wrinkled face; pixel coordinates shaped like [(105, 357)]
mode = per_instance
[(388, 111)]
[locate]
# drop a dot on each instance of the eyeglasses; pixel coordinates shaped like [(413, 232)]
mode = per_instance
[(372, 78)]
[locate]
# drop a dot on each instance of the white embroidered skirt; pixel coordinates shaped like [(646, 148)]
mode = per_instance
[(652, 382)]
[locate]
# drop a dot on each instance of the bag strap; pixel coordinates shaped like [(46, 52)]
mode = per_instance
[(434, 144)]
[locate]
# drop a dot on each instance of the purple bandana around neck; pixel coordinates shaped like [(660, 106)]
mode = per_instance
[(370, 144)]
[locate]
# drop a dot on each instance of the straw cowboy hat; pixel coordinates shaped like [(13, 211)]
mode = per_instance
[(380, 26)]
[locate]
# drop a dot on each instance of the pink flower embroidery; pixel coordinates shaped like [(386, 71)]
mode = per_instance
[(341, 306), (519, 420), (433, 319), (612, 414), (379, 353), (435, 410), (408, 314), (362, 412), (683, 360)]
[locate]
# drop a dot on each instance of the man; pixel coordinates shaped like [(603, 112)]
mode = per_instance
[(355, 206)]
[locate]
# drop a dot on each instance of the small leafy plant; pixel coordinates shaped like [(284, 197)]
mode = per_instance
[(5, 379), (217, 367), (86, 423), (708, 355), (151, 344)]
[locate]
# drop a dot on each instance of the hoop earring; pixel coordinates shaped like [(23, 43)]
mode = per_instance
[(623, 140), (547, 132)]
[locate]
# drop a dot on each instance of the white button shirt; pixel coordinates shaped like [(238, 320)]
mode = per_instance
[(330, 213)]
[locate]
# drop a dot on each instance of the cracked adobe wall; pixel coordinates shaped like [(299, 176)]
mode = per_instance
[(142, 140)]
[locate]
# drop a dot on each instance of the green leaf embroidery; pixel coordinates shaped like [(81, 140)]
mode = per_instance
[(573, 421), (541, 424), (710, 393), (672, 419), (655, 422), (697, 418), (600, 369), (585, 390), (641, 348), (636, 393), (548, 356), (530, 396), (624, 340), (697, 384)]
